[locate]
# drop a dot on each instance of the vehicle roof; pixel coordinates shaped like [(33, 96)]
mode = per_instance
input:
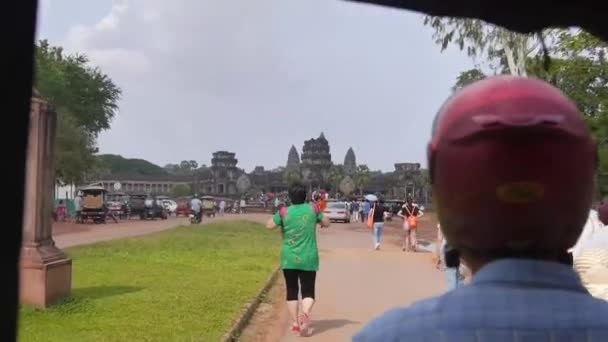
[(93, 188)]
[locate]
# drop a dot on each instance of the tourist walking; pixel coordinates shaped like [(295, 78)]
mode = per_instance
[(378, 211), (410, 214), (299, 254), (366, 208), (453, 276), (222, 207), (494, 158), (355, 211), (78, 208), (361, 218), (60, 212), (242, 206)]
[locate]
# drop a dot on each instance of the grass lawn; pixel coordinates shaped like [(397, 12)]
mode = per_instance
[(186, 284)]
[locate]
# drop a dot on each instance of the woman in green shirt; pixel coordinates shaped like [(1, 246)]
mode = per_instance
[(299, 253)]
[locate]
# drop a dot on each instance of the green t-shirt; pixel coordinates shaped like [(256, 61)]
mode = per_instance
[(299, 250)]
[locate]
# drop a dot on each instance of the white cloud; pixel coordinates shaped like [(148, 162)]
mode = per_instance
[(202, 75)]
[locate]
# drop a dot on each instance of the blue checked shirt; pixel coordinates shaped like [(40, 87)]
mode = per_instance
[(507, 301)]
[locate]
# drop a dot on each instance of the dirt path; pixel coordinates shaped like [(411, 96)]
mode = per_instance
[(355, 283), (70, 234)]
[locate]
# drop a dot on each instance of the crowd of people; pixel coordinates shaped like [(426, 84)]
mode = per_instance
[(495, 163)]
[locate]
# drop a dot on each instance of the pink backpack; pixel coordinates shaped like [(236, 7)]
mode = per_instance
[(283, 211)]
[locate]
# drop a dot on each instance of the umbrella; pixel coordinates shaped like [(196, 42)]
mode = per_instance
[(524, 16), (371, 198)]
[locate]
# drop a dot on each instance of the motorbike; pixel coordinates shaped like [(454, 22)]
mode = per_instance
[(196, 218)]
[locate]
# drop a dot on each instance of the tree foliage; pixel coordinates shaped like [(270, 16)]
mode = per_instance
[(181, 190), (336, 174), (185, 167), (467, 77), (74, 151), (292, 174), (485, 41), (362, 177), (85, 99)]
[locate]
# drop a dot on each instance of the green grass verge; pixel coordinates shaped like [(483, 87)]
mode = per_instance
[(186, 284)]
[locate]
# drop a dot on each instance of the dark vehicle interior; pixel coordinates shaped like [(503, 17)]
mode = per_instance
[(19, 23)]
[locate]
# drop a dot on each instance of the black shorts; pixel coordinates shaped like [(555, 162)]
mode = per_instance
[(298, 279)]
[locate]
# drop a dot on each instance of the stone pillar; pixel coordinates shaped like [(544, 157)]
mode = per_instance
[(46, 272)]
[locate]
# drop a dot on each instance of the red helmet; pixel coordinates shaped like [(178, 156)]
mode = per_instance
[(512, 167)]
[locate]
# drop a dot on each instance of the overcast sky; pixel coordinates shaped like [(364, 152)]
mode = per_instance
[(255, 77)]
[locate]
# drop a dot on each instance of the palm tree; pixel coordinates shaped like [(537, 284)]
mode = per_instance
[(362, 177), (292, 175), (336, 174)]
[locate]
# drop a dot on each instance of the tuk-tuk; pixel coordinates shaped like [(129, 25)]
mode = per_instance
[(94, 204), (208, 205)]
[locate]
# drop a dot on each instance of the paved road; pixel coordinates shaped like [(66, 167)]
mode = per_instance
[(356, 283)]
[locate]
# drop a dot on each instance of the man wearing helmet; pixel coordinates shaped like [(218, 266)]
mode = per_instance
[(196, 206), (512, 167)]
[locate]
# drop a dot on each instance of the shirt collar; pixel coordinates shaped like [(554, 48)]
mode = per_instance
[(533, 273)]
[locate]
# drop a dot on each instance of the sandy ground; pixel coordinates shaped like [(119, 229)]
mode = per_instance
[(355, 283)]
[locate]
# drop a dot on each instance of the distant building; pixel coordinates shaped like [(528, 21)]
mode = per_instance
[(350, 162), (224, 177)]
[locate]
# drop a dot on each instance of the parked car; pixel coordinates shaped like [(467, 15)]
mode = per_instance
[(337, 211), (170, 205), (153, 209), (137, 206)]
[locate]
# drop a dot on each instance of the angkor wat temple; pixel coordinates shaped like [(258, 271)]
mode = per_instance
[(314, 167)]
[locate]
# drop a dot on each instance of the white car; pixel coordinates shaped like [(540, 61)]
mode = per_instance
[(170, 206), (337, 211)]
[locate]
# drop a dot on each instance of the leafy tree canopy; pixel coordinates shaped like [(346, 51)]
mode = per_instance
[(85, 100)]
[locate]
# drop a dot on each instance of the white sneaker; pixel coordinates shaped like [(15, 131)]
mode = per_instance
[(377, 246)]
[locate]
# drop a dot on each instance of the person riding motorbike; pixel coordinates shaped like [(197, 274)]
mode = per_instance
[(196, 208), (512, 166)]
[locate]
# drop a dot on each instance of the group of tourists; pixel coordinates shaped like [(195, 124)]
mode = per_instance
[(500, 201), (410, 212)]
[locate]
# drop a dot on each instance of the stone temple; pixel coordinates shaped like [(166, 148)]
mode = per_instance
[(314, 167)]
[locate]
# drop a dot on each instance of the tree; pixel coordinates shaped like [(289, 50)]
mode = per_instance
[(69, 82), (181, 190), (292, 174), (362, 177), (484, 40), (85, 99), (467, 77), (171, 168), (73, 151), (336, 174)]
